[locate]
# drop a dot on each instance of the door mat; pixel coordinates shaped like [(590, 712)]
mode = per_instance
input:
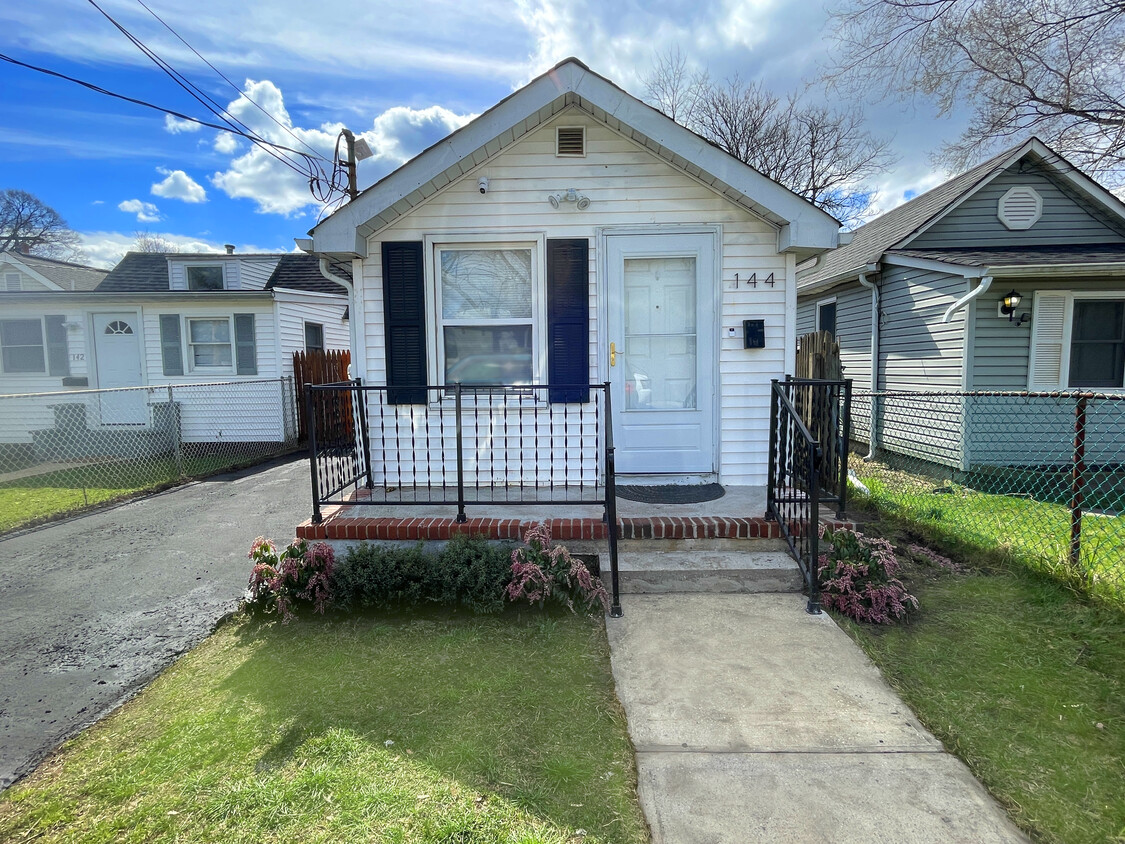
[(671, 493)]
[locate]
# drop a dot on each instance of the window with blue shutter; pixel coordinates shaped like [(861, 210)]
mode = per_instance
[(568, 320), (404, 321), (171, 348)]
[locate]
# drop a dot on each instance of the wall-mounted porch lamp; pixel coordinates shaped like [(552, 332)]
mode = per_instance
[(581, 201), (1009, 304)]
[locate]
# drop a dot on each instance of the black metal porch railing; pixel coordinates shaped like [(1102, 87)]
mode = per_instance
[(808, 465), (463, 446)]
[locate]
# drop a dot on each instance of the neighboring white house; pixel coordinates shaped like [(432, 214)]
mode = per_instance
[(23, 272), (160, 320), (573, 235)]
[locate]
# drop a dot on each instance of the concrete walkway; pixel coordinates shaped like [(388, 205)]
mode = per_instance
[(754, 721)]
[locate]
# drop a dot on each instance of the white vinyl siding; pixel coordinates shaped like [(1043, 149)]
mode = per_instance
[(265, 337), (294, 308), (627, 186)]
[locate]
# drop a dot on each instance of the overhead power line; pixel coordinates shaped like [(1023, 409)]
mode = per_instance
[(178, 115)]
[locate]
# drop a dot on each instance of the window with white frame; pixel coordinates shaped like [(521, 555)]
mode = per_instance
[(21, 346), (314, 337), (204, 276), (487, 300), (826, 315), (1097, 343), (210, 343)]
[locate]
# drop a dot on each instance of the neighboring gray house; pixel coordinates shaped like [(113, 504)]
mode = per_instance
[(917, 298)]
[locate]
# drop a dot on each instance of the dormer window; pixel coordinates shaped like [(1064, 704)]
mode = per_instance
[(204, 276)]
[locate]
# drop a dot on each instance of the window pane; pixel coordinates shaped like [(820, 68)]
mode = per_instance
[(488, 354), (209, 330), (204, 278), (24, 359), (827, 319), (1094, 320), (21, 332), (314, 336), (486, 283), (1097, 351), (212, 354)]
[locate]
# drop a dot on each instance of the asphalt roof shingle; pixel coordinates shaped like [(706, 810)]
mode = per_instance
[(70, 277), (137, 272), (302, 272), (1097, 253)]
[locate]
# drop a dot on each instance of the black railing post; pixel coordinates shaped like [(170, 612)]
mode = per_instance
[(615, 610), (461, 517), (310, 421), (772, 469), (812, 526), (845, 445), (361, 401)]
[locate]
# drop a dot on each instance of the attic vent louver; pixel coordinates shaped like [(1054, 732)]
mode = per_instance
[(571, 140), (1020, 208)]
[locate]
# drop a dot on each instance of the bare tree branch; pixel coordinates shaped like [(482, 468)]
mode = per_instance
[(1048, 67), (27, 222)]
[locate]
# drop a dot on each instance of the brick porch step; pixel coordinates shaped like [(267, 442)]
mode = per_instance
[(340, 525)]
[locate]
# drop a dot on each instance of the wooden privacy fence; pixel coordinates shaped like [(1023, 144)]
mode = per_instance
[(818, 359), (323, 367)]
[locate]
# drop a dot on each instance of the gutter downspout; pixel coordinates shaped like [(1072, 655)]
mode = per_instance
[(353, 317), (870, 285), (985, 283)]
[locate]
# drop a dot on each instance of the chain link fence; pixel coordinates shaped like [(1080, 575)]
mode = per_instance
[(1038, 477), (63, 451)]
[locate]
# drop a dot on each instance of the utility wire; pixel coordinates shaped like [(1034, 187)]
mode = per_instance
[(226, 79), (178, 115), (310, 171)]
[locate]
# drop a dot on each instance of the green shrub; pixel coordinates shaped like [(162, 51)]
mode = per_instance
[(469, 572)]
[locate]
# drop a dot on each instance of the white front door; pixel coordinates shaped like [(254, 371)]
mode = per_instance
[(117, 346), (662, 296)]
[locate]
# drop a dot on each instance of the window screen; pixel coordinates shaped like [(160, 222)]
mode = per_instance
[(1097, 343)]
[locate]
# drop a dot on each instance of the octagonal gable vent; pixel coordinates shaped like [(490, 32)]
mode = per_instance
[(1020, 208)]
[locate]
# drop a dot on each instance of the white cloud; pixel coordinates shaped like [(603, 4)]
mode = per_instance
[(179, 185), (104, 249), (395, 136), (176, 126), (225, 143), (146, 212)]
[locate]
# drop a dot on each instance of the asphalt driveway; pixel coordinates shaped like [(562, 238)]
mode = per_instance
[(92, 608)]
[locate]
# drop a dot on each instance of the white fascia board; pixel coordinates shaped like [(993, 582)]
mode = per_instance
[(931, 265), (804, 226), (837, 279), (288, 294), (1079, 179), (1054, 270)]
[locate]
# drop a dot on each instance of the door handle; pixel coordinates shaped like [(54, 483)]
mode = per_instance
[(613, 354)]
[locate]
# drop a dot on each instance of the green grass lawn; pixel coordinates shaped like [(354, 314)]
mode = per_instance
[(429, 728), (1033, 533), (32, 499), (1025, 681)]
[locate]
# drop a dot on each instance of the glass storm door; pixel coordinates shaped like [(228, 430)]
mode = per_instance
[(661, 347)]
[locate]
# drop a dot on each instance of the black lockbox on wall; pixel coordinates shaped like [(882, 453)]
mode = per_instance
[(754, 333)]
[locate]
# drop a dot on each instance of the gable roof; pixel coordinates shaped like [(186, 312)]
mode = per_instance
[(64, 275), (895, 229), (803, 228), (302, 272)]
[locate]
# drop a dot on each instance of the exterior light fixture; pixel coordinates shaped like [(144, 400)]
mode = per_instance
[(571, 195), (1009, 304)]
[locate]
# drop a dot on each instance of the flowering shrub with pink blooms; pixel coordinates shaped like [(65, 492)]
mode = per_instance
[(858, 578), (543, 572), (281, 580)]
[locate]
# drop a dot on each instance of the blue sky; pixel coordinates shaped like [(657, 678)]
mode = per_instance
[(401, 74)]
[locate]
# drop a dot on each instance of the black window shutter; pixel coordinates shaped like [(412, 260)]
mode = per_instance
[(245, 349), (58, 356), (171, 351), (404, 321), (568, 320)]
